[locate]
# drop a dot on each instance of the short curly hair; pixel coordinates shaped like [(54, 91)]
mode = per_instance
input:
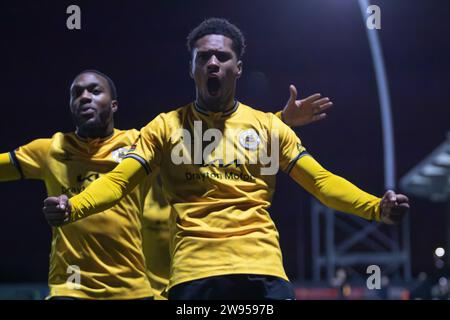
[(112, 86), (221, 27)]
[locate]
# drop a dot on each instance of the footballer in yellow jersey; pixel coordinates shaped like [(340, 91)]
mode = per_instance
[(98, 258), (218, 160), (155, 225)]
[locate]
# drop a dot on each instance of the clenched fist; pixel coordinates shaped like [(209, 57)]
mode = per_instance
[(393, 207), (57, 210)]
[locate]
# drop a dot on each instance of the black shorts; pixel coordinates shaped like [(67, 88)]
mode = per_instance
[(234, 287)]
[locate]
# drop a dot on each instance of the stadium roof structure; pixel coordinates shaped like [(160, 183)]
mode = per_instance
[(431, 177)]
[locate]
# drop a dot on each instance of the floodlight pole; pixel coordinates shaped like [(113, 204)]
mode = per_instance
[(386, 122), (385, 101)]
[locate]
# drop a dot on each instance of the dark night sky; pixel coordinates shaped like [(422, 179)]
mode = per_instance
[(319, 45)]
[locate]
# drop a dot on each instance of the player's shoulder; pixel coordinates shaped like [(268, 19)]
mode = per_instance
[(171, 118), (177, 113), (38, 145), (256, 114), (128, 134), (42, 143), (41, 146)]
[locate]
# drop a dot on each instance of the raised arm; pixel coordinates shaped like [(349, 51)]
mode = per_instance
[(297, 113)]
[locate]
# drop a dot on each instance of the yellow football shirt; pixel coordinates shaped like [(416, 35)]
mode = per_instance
[(106, 248), (219, 221), (155, 236), (220, 218)]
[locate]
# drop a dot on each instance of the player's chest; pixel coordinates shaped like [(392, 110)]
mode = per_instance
[(71, 172)]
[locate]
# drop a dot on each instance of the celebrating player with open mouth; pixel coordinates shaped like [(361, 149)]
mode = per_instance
[(224, 245)]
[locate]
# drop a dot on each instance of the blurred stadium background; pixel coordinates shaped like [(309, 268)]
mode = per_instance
[(318, 45)]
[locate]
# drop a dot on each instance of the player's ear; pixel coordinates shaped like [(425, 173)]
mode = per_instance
[(114, 105), (239, 68)]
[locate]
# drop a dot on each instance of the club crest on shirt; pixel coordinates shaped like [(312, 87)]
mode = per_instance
[(118, 154), (249, 139)]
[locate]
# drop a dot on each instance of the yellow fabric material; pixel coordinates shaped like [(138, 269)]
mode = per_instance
[(278, 114), (156, 237), (155, 233), (111, 189), (32, 158), (8, 172), (334, 191), (106, 247), (219, 221)]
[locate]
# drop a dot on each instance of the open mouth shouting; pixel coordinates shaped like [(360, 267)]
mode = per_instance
[(213, 86)]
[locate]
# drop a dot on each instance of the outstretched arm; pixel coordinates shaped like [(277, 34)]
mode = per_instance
[(26, 162), (101, 195), (339, 194), (298, 113), (8, 171)]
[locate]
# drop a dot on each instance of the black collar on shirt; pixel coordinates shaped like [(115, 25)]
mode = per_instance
[(224, 114)]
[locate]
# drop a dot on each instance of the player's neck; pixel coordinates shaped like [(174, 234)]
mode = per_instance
[(221, 107), (95, 133)]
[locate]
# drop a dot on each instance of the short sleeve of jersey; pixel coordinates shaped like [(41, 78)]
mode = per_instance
[(290, 146), (148, 149), (30, 159)]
